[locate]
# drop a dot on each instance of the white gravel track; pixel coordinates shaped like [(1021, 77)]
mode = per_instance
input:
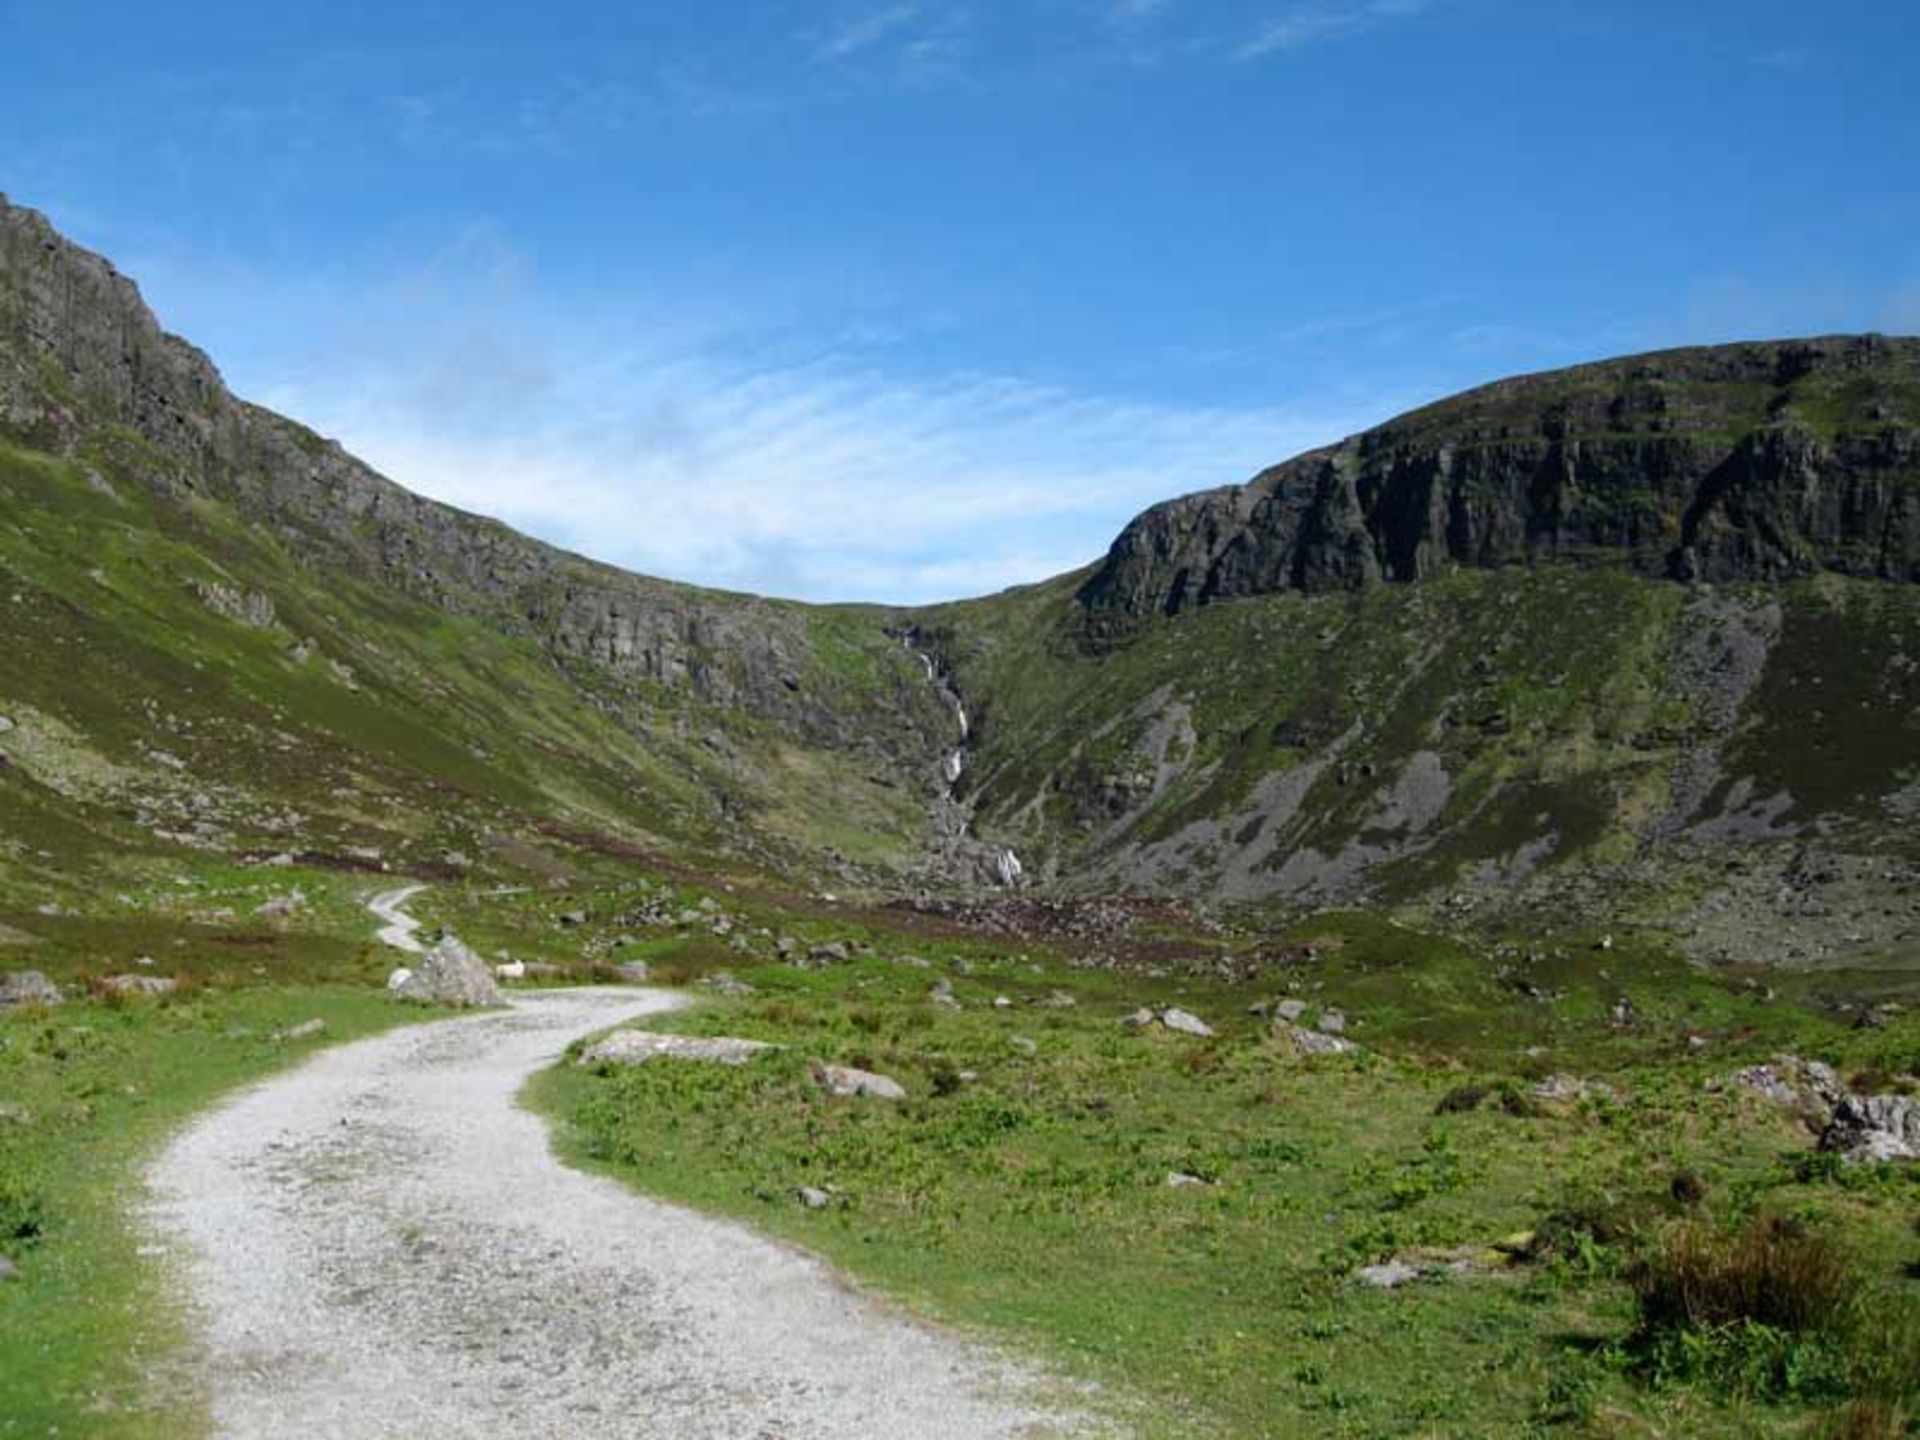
[(381, 1243), (396, 926)]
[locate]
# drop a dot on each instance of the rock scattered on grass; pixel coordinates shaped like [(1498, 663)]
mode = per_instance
[(448, 974), (637, 1047), (305, 1030), (1139, 1019), (1389, 1275), (941, 993), (510, 970), (812, 1198), (7, 1270), (151, 985), (847, 1082), (28, 987), (727, 984), (1185, 1022), (1315, 1042), (1333, 1022), (1181, 1180)]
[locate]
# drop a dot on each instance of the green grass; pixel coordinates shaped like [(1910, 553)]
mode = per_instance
[(1031, 1201), (90, 1328)]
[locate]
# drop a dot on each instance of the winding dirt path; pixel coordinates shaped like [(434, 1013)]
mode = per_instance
[(396, 926), (380, 1243)]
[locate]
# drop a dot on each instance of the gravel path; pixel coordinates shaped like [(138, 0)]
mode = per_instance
[(396, 926), (380, 1243)]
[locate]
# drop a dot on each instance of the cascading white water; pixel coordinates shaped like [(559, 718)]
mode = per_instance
[(1006, 864)]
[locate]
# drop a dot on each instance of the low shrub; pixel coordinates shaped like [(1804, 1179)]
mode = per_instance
[(1767, 1310)]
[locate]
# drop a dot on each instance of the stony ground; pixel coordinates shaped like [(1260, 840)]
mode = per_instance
[(382, 1244)]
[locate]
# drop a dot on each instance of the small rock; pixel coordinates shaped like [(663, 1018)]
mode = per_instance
[(511, 970), (811, 1198), (941, 993), (786, 946), (1185, 1022), (726, 983), (400, 979), (1181, 1180), (834, 952), (28, 987), (7, 726), (281, 907), (847, 1082), (1559, 1090), (1315, 1042), (1389, 1276), (633, 972), (139, 985), (8, 1271), (1140, 1019), (305, 1030), (1332, 1022), (574, 917), (1001, 1002), (1025, 1044), (1059, 1000), (1290, 1010)]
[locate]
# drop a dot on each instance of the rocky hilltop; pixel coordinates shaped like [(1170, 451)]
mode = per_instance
[(1741, 462)]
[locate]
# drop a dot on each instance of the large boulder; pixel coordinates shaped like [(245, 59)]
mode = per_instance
[(448, 974), (28, 987), (1874, 1128)]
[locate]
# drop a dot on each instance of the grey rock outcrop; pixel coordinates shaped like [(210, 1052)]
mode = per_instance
[(1874, 1128), (1619, 463)]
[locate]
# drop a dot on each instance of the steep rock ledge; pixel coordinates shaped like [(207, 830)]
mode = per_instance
[(1745, 462)]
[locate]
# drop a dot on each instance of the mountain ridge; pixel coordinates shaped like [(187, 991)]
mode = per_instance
[(1545, 725)]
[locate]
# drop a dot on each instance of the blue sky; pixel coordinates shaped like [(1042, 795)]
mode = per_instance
[(891, 299)]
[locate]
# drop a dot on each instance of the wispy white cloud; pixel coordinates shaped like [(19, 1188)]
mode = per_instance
[(864, 31), (1307, 24), (822, 480)]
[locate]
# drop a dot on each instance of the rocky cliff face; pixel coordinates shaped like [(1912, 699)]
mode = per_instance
[(1743, 462), (85, 366)]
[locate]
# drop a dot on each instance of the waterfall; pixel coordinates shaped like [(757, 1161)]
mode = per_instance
[(1006, 864)]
